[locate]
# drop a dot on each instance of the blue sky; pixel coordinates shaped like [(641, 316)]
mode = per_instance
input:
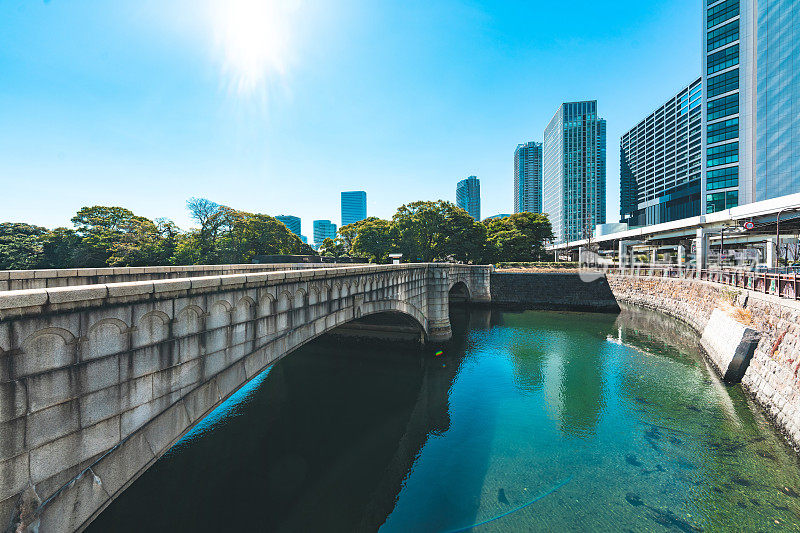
[(276, 106)]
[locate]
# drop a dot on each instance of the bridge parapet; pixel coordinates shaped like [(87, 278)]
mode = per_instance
[(97, 381)]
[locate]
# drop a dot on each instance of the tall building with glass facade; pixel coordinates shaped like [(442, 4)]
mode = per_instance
[(323, 229), (528, 178), (660, 161), (468, 196), (291, 222), (751, 105), (574, 171), (354, 206)]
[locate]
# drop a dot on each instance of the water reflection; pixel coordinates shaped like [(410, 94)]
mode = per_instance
[(534, 421)]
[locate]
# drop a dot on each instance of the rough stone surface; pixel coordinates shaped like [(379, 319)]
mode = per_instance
[(771, 377), (557, 290)]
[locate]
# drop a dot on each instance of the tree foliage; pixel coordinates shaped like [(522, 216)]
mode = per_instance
[(518, 237)]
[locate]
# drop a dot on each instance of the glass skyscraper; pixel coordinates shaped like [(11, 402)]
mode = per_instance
[(354, 206), (751, 105), (323, 229), (468, 196), (660, 162), (574, 173), (528, 178), (291, 222)]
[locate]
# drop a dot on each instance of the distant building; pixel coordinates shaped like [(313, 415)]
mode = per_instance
[(323, 229), (497, 216), (528, 178), (751, 101), (468, 196), (354, 206), (574, 173), (291, 222), (660, 162)]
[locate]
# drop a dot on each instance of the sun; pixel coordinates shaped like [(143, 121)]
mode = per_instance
[(254, 40)]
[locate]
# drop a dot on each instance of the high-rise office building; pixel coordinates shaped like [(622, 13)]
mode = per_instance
[(574, 171), (323, 229), (354, 206), (468, 196), (528, 178), (291, 222), (660, 162), (751, 102)]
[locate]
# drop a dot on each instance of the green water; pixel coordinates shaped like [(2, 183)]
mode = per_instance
[(535, 421)]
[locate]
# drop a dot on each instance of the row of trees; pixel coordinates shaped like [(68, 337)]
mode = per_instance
[(440, 231), (114, 236), (104, 236)]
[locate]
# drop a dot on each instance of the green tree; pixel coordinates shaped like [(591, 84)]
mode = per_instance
[(332, 248), (61, 248), (518, 237), (100, 228), (20, 246), (370, 238), (428, 231)]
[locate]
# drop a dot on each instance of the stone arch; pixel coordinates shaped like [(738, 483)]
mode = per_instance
[(44, 350), (105, 337), (152, 327), (219, 314), (284, 302), (189, 320), (459, 292), (243, 310), (299, 299), (266, 304), (313, 295)]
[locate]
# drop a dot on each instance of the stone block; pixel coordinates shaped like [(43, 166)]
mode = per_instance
[(12, 438), (50, 388), (201, 399), (233, 279), (166, 428), (74, 505), (96, 375), (176, 377), (70, 450), (21, 274), (729, 344), (205, 282), (13, 476), (124, 463), (129, 289), (49, 424), (231, 379), (99, 405), (140, 415), (22, 298), (82, 293), (161, 286), (13, 401)]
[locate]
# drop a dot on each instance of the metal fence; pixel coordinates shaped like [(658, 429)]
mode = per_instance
[(778, 284)]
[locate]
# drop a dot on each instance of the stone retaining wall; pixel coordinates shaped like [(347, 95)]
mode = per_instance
[(556, 290), (771, 377)]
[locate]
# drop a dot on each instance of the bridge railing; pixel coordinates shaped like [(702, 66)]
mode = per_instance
[(778, 284)]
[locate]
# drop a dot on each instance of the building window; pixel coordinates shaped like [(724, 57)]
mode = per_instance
[(722, 154), (722, 178), (722, 107), (729, 81), (723, 35), (723, 59), (723, 131), (719, 201), (722, 12)]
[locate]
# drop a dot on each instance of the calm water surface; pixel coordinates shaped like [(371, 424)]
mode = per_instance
[(534, 421)]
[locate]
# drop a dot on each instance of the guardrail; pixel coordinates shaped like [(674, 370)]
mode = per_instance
[(777, 284)]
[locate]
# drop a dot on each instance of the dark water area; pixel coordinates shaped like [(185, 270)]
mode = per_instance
[(534, 421)]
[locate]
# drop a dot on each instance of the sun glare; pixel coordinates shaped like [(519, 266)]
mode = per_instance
[(254, 39)]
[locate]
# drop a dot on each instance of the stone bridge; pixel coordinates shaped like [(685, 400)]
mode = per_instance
[(102, 370)]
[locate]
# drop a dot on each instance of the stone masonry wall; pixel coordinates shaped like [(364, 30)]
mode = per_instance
[(772, 375), (558, 290)]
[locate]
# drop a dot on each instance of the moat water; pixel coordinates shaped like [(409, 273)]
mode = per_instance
[(534, 421)]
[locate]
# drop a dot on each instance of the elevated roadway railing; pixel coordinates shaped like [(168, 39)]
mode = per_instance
[(779, 284)]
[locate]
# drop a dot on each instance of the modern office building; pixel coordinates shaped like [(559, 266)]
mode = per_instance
[(291, 222), (659, 162), (574, 171), (468, 196), (354, 206), (528, 178), (751, 102), (323, 229), (501, 215)]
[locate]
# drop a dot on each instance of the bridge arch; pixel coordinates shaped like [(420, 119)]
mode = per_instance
[(459, 293)]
